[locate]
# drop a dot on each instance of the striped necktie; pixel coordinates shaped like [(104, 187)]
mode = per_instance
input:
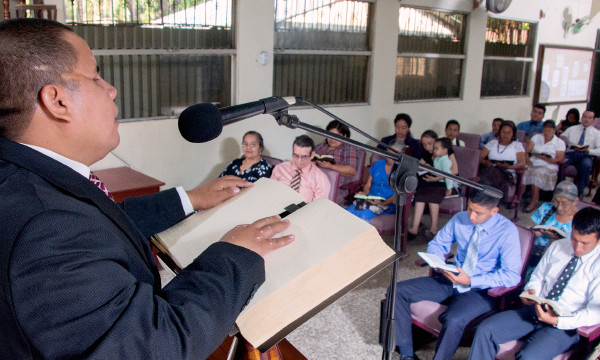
[(94, 179), (295, 184), (561, 282), (471, 258)]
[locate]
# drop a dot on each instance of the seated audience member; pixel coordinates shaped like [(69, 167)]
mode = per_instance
[(557, 214), (251, 166), (301, 174), (402, 124), (78, 277), (545, 151), (377, 185), (500, 158), (566, 274), (485, 138), (488, 255), (583, 142), (432, 189), (535, 124), (452, 131), (345, 156), (571, 119)]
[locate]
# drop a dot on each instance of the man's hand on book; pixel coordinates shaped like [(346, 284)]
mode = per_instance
[(461, 278), (258, 236), (216, 191), (546, 314), (528, 301)]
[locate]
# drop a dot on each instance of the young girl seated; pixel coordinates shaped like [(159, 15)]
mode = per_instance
[(432, 189)]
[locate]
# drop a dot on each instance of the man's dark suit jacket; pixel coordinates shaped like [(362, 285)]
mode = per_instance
[(78, 280)]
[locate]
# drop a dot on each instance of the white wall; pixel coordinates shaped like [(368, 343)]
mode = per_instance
[(156, 148)]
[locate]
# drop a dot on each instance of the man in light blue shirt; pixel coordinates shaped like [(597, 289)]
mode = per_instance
[(547, 334), (492, 134), (488, 255), (535, 124)]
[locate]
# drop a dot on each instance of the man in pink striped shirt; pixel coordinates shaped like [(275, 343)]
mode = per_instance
[(313, 183)]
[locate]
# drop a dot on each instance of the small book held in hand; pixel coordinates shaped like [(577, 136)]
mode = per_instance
[(505, 162), (557, 309), (327, 158), (579, 147), (369, 197), (435, 262), (557, 232)]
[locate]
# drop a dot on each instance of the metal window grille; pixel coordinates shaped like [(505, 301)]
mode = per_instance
[(161, 56), (322, 50), (509, 50), (430, 54)]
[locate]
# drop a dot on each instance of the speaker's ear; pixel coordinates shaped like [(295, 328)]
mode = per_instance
[(497, 6)]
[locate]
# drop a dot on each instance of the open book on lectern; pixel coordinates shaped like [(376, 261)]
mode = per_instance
[(334, 251)]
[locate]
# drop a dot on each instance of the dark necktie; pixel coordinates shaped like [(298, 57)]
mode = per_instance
[(561, 283), (295, 184), (582, 138), (94, 179)]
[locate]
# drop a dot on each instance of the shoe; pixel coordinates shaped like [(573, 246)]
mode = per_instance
[(429, 235), (405, 357), (411, 236), (528, 210)]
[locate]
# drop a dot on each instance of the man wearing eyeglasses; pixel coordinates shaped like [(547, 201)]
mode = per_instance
[(301, 174)]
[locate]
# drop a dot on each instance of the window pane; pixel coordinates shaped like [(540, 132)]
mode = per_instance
[(340, 31), (495, 81), (430, 31), (509, 38), (189, 13), (321, 25), (427, 78), (322, 79), (151, 83)]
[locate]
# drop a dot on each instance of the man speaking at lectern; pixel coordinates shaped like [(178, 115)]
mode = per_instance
[(78, 279)]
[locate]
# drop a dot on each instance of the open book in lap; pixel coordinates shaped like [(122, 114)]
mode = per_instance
[(435, 262), (333, 252), (557, 309)]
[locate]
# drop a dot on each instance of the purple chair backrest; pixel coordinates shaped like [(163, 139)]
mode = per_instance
[(583, 204), (520, 135), (271, 160), (468, 161), (527, 237), (471, 140), (334, 179)]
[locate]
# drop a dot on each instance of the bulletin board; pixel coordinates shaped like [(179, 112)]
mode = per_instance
[(564, 75)]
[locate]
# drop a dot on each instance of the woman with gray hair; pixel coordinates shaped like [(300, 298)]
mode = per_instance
[(557, 214)]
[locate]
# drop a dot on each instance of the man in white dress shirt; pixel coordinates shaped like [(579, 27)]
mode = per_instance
[(575, 263), (582, 158)]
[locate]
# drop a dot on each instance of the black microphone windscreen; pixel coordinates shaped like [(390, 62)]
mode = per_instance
[(200, 123)]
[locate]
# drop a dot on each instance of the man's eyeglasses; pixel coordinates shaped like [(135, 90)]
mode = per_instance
[(301, 157)]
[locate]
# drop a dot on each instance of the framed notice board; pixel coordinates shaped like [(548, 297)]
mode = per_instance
[(564, 75)]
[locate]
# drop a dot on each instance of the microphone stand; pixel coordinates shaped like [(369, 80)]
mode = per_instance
[(403, 180)]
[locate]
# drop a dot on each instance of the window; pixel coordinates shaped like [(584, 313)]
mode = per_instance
[(430, 54), (161, 56), (508, 50), (322, 50)]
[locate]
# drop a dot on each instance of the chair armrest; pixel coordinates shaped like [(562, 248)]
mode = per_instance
[(590, 332), (500, 291)]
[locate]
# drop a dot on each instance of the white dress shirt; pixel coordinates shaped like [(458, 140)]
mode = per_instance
[(84, 170), (581, 296), (592, 138), (549, 148)]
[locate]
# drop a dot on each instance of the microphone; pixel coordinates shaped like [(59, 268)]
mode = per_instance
[(204, 122)]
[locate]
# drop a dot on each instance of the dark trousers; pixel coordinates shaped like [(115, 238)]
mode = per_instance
[(461, 310), (583, 163), (543, 341)]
